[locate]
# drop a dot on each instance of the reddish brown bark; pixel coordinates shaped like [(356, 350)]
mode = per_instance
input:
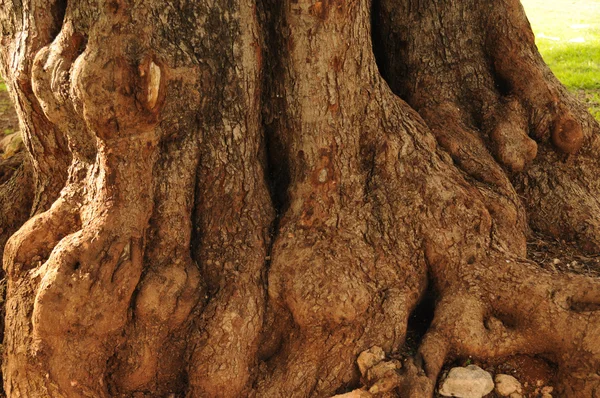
[(249, 206)]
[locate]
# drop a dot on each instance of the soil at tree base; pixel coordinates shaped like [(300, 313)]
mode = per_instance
[(8, 118)]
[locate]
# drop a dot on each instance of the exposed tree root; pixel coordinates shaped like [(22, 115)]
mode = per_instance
[(511, 115), (501, 109), (472, 230), (169, 289), (506, 307), (16, 197), (82, 259), (109, 234), (341, 272)]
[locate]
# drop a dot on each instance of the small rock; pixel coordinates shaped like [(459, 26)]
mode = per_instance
[(369, 358), (515, 395), (546, 392), (385, 384), (469, 382), (383, 369), (355, 394), (556, 261), (507, 385)]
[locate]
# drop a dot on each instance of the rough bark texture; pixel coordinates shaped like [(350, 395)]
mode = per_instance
[(230, 200)]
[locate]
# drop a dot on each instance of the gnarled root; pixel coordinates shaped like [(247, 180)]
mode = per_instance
[(373, 212), (170, 289), (500, 109), (342, 277), (501, 306), (512, 116), (83, 258), (344, 296)]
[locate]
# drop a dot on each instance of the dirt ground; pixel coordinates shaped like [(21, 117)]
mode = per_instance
[(8, 118), (11, 144)]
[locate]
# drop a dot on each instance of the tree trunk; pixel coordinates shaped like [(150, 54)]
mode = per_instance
[(230, 200)]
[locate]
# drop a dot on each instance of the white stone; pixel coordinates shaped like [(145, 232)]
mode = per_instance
[(506, 385), (546, 392), (355, 394), (469, 382), (369, 358)]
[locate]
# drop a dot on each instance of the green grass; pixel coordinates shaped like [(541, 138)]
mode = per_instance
[(568, 37), (593, 98), (2, 84)]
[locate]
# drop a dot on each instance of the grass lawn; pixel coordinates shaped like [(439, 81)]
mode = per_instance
[(568, 36)]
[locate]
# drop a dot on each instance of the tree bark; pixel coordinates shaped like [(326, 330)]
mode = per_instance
[(236, 199)]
